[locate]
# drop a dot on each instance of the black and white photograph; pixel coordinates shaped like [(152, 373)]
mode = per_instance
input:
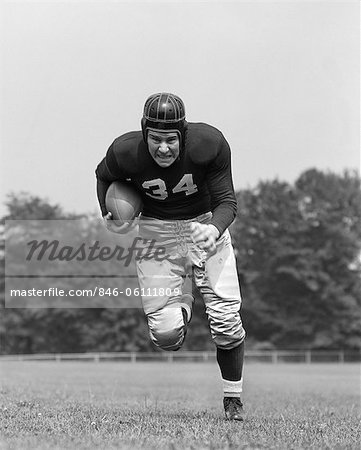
[(180, 234)]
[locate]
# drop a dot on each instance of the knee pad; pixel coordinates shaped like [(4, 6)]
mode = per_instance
[(228, 342), (171, 340), (229, 337), (167, 328)]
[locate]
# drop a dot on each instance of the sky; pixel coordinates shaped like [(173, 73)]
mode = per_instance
[(281, 80)]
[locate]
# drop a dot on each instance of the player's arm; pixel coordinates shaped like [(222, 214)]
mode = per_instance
[(223, 200), (107, 171), (220, 187)]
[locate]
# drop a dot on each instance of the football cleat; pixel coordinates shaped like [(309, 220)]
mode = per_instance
[(233, 408)]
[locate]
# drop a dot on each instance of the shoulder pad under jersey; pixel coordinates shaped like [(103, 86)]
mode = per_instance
[(203, 142), (131, 151)]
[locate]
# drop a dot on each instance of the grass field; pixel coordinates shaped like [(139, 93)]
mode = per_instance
[(177, 406)]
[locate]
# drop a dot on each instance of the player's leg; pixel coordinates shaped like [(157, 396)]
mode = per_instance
[(216, 277), (166, 294), (230, 362), (167, 328), (161, 294)]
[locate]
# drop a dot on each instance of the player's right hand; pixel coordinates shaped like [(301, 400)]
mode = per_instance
[(204, 235), (115, 226)]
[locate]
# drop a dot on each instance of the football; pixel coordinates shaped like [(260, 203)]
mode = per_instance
[(123, 201)]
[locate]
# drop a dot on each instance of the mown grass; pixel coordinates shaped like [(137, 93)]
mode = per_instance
[(71, 405)]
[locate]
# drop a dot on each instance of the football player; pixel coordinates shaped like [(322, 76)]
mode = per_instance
[(183, 171)]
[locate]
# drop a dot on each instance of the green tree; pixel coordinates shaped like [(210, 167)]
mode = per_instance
[(18, 326), (298, 255), (30, 330), (23, 206)]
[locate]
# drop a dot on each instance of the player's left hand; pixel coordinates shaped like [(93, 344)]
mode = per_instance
[(116, 226), (204, 235)]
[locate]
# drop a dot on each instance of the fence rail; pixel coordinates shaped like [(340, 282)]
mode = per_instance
[(266, 356)]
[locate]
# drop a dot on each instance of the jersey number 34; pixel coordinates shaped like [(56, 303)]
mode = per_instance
[(158, 189)]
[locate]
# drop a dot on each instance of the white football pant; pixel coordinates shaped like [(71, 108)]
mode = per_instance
[(161, 279)]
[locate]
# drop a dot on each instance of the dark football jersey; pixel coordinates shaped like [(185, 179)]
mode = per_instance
[(199, 181)]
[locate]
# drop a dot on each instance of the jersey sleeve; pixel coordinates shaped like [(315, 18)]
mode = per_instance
[(107, 171), (220, 187)]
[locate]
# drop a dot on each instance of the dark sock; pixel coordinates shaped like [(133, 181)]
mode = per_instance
[(185, 320), (231, 362)]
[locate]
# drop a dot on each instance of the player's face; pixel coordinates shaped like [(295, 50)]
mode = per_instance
[(164, 147)]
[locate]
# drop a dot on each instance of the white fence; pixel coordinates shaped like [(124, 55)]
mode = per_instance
[(270, 356)]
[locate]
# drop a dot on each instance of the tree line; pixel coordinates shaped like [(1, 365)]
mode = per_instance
[(298, 248)]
